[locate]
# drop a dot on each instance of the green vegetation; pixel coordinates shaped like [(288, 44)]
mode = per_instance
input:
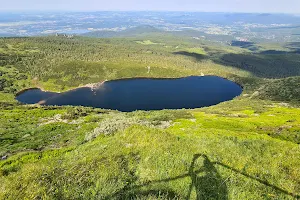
[(247, 148), (146, 42), (199, 51), (12, 80), (287, 89), (149, 154)]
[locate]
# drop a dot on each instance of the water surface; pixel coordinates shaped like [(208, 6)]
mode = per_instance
[(143, 94)]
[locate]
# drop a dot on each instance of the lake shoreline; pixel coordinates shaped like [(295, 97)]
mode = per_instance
[(93, 86), (142, 94)]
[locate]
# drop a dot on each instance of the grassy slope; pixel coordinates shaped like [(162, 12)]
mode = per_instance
[(243, 149), (248, 147)]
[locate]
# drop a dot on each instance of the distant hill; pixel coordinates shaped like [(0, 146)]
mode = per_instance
[(153, 31), (7, 35), (139, 30)]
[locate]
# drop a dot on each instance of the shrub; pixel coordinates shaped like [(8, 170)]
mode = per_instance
[(113, 124), (74, 113)]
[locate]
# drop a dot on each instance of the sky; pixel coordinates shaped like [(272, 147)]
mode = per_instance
[(261, 6)]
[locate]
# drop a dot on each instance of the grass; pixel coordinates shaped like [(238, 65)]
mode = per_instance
[(247, 148), (232, 158), (146, 42), (199, 51)]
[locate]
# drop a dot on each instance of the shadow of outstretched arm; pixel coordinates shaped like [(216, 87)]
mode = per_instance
[(258, 180), (204, 185)]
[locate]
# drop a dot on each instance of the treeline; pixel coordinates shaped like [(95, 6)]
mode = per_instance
[(57, 63), (11, 80), (71, 62), (265, 66)]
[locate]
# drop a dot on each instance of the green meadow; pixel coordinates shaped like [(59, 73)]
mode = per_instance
[(247, 148)]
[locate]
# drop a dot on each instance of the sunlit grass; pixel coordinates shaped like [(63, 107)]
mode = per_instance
[(146, 42), (140, 161), (242, 149)]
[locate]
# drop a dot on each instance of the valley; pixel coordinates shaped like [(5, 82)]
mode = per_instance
[(246, 148)]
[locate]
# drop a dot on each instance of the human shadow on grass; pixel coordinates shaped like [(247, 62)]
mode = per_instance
[(208, 185), (264, 182), (205, 180)]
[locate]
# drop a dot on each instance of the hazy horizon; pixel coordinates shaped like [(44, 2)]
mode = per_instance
[(158, 11), (219, 6)]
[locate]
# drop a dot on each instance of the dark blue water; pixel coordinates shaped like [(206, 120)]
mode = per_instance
[(32, 96), (143, 94)]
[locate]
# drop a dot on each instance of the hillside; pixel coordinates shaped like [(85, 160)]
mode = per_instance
[(131, 32), (247, 148)]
